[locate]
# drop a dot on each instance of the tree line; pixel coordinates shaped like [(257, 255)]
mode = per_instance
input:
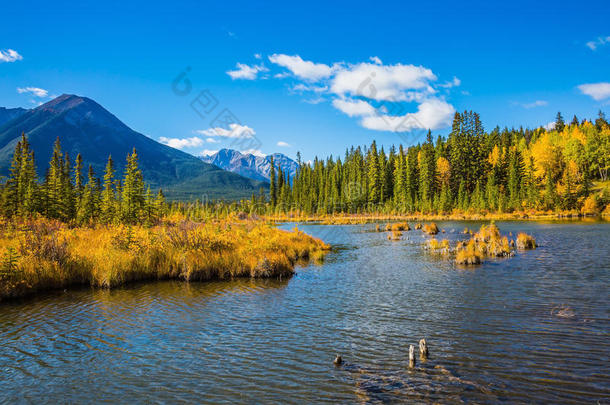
[(65, 194), (469, 170)]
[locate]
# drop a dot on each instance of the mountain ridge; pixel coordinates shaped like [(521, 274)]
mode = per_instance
[(8, 114), (249, 165)]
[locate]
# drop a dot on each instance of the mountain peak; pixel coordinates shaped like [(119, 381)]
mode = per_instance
[(65, 102), (249, 165), (78, 108)]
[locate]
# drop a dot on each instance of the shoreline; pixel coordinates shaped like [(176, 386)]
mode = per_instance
[(347, 219)]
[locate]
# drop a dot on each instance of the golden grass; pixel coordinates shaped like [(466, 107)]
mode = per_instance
[(525, 241), (467, 253), (488, 242), (443, 247), (430, 229), (41, 254), (400, 226), (394, 235)]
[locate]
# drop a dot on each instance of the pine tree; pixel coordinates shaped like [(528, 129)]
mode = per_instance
[(108, 203), (10, 195), (54, 187), (159, 204), (374, 175), (272, 183), (559, 123), (89, 207), (132, 197), (78, 178)]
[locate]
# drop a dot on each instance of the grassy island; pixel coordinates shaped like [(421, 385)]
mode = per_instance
[(45, 254), (488, 242)]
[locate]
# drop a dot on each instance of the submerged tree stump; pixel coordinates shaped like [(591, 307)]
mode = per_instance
[(411, 356), (423, 349)]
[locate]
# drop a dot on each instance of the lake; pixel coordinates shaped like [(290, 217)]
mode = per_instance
[(531, 328)]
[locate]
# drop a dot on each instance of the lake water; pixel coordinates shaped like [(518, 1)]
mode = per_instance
[(532, 328)]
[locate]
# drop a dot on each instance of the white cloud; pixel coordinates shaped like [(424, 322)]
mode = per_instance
[(207, 152), (431, 114), (550, 126), (258, 56), (283, 144), (36, 91), (314, 101), (534, 104), (378, 82), (303, 69), (9, 55), (598, 91), (234, 131), (304, 87), (370, 91), (453, 83), (181, 143), (353, 107), (246, 72), (212, 140), (600, 41)]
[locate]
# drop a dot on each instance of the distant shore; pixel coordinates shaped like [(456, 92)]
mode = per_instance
[(345, 219)]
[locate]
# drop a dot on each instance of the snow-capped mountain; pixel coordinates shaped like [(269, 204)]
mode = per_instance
[(249, 165)]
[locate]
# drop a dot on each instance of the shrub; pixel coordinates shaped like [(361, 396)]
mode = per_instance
[(430, 229), (394, 235), (525, 241), (468, 254), (400, 226)]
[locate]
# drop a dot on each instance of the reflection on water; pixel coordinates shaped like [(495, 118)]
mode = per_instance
[(531, 328)]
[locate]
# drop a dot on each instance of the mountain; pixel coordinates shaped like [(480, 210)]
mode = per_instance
[(7, 114), (249, 165), (85, 127)]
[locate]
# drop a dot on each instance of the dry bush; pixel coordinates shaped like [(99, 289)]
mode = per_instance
[(430, 229), (394, 235), (400, 226), (525, 241)]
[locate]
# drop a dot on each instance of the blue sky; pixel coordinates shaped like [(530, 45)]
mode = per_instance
[(314, 77)]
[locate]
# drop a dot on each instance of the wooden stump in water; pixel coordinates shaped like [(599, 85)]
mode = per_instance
[(411, 356), (423, 349)]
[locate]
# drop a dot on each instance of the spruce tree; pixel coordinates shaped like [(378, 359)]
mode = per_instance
[(108, 203), (272, 183), (132, 197), (559, 123)]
